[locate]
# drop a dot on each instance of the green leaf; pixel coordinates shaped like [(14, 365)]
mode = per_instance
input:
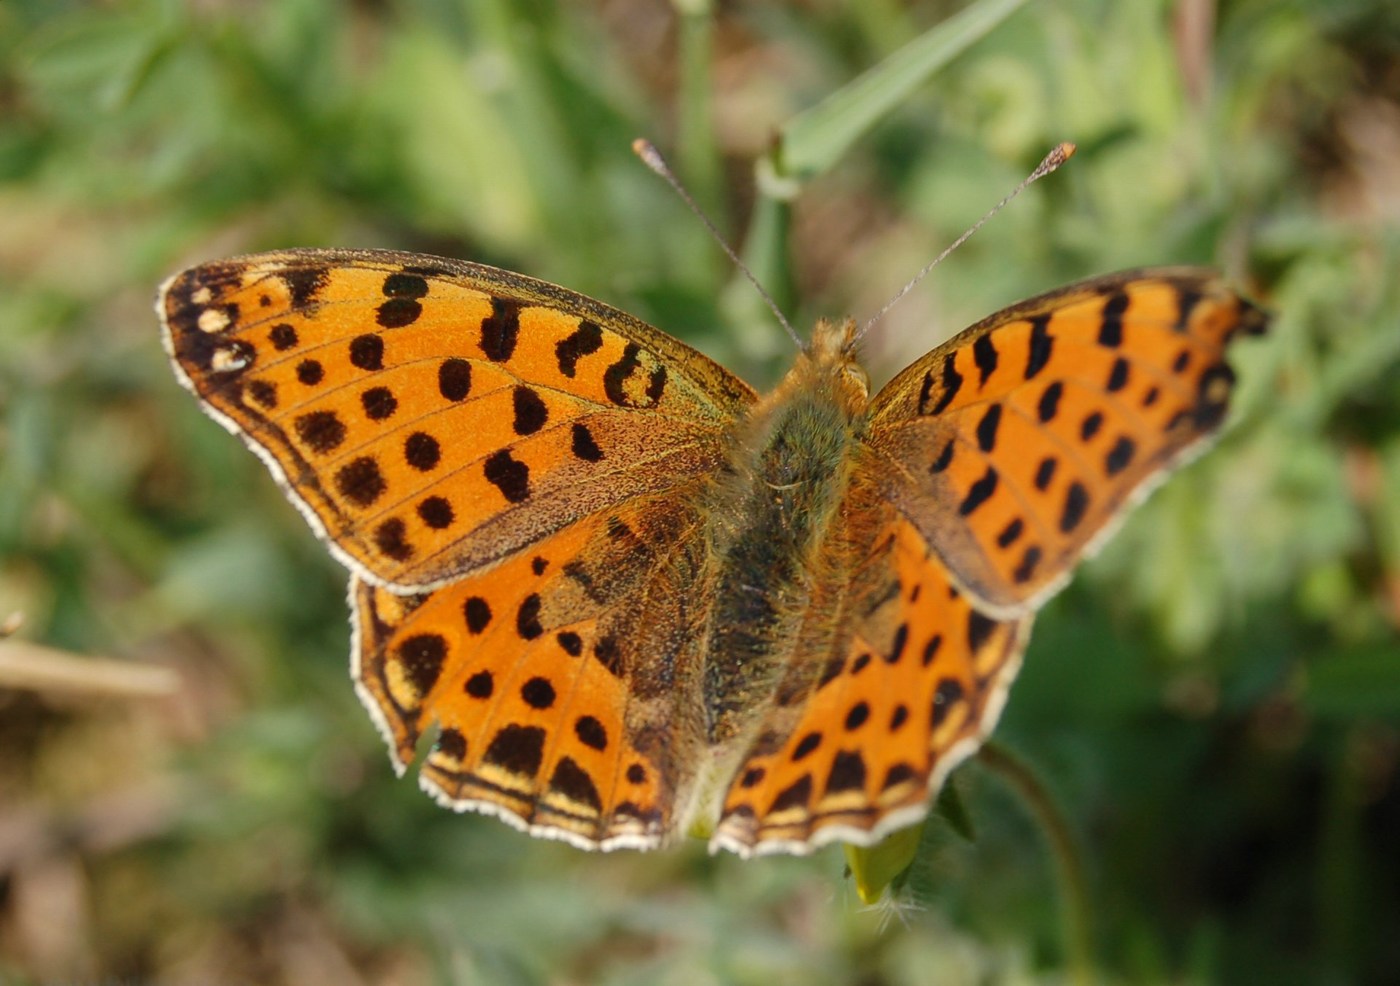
[(1363, 681)]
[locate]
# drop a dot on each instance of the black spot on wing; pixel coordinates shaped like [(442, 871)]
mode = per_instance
[(984, 354), (1186, 302), (1091, 424), (517, 749), (421, 451), (1120, 456), (615, 379), (847, 772), (1026, 569), (360, 481), (987, 428), (530, 410), (282, 336), (795, 795), (924, 392), (900, 773), (901, 640), (584, 340), (1118, 376), (1111, 321), (436, 513), (573, 782), (421, 657), (1041, 346), (367, 352), (945, 458), (857, 716), (508, 475), (1049, 404), (427, 270), (590, 733), (263, 393), (979, 629), (583, 444), (538, 693), (1076, 503), (527, 618), (806, 746), (948, 693), (310, 372), (320, 431), (931, 649), (454, 378), (391, 538), (379, 403), (951, 382), (304, 284), (1010, 533), (980, 492), (500, 330), (478, 614), (1213, 396), (452, 744), (480, 685)]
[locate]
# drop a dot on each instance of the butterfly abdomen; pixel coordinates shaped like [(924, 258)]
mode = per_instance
[(770, 517)]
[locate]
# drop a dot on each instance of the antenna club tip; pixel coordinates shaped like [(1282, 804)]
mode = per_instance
[(1058, 156), (647, 151), (1061, 153)]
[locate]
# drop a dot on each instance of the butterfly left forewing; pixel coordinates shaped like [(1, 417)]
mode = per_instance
[(430, 417), (1014, 446)]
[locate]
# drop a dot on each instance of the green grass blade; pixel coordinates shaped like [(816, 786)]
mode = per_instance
[(815, 138)]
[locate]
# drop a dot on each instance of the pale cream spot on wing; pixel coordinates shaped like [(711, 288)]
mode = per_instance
[(213, 320), (227, 360)]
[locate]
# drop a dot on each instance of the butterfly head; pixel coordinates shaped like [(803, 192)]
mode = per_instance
[(831, 355)]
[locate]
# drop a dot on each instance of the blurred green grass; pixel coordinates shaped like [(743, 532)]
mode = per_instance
[(1215, 702)]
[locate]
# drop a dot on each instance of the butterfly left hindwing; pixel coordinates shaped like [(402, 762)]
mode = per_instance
[(556, 679)]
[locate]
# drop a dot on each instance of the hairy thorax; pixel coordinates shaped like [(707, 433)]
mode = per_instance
[(769, 516)]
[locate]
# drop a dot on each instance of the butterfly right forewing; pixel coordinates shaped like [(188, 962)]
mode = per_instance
[(1015, 445)]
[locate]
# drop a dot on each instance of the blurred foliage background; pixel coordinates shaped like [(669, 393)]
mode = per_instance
[(1214, 704)]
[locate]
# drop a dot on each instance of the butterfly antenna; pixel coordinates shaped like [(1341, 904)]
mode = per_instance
[(1053, 160), (652, 158)]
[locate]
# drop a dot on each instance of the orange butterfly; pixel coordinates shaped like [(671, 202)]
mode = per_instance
[(639, 600)]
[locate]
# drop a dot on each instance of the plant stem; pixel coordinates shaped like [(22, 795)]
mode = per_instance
[(1076, 915)]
